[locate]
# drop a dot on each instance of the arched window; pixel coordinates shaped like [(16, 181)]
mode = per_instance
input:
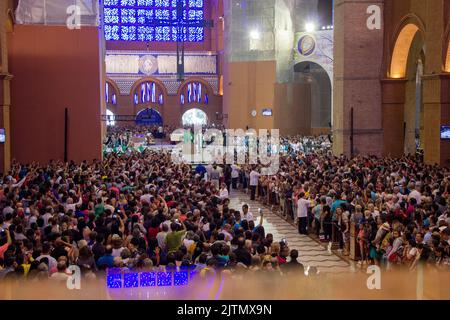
[(148, 93), (195, 117), (110, 94), (194, 92)]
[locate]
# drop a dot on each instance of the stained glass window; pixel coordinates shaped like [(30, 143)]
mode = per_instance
[(148, 92), (130, 20)]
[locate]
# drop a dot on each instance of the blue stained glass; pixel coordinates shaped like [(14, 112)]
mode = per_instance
[(107, 91), (111, 15), (114, 99), (128, 2), (162, 3), (199, 92), (174, 3), (136, 98), (148, 279), (131, 280), (145, 3), (162, 33), (148, 91), (182, 99), (161, 99), (206, 99), (194, 91), (153, 92), (143, 16), (196, 3), (128, 33), (162, 14), (189, 92), (175, 33), (146, 33), (164, 279), (180, 278), (143, 93), (111, 32), (110, 2), (128, 16)]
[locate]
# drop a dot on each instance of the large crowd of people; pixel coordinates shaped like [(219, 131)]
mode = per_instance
[(139, 210)]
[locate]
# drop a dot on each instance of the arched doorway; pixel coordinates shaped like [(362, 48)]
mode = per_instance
[(111, 118), (408, 61), (194, 117), (317, 81), (149, 117)]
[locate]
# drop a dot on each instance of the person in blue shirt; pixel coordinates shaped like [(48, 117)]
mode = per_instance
[(107, 259), (337, 203), (200, 169)]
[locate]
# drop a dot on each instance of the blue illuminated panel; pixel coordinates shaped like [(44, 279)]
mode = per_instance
[(131, 280), (148, 279), (130, 20), (114, 279), (164, 279)]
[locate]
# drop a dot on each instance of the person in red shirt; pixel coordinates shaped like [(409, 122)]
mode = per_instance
[(5, 246)]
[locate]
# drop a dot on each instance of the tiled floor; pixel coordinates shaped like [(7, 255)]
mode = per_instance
[(311, 252)]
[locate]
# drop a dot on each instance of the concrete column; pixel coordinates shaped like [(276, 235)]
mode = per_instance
[(358, 53)]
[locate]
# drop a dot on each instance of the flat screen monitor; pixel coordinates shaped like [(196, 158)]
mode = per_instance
[(2, 136), (445, 132)]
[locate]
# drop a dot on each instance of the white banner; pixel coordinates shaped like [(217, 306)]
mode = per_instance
[(159, 64)]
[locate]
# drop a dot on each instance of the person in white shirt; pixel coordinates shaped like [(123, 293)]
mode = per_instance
[(246, 215), (415, 194), (161, 237), (254, 180), (48, 214), (52, 263), (223, 193), (73, 206), (302, 213)]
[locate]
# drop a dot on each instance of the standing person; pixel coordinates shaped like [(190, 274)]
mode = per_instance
[(254, 180), (223, 192), (317, 211), (215, 177), (302, 213), (174, 239), (234, 176), (246, 215), (227, 176)]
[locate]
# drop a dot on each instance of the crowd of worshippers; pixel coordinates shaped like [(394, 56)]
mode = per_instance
[(136, 211), (142, 211), (124, 136), (399, 208)]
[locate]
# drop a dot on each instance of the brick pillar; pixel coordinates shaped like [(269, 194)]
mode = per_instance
[(358, 54), (393, 91), (436, 104), (445, 117)]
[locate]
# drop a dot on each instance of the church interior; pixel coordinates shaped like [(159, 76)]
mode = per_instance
[(92, 93), (247, 64)]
